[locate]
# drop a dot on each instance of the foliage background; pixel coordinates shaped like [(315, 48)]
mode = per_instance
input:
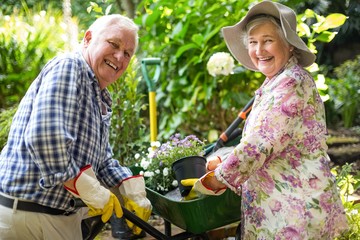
[(189, 100)]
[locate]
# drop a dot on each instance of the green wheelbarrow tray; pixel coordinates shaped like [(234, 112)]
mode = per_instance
[(198, 215)]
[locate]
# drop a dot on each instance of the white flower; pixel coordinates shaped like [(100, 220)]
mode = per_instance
[(145, 163), (137, 155), (175, 183), (220, 63), (166, 171), (155, 144), (157, 171), (148, 174)]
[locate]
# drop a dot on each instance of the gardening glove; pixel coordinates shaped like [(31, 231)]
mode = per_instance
[(198, 187), (212, 162), (99, 199), (133, 192)]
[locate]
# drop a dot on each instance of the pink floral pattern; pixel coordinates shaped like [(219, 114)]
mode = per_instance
[(281, 166)]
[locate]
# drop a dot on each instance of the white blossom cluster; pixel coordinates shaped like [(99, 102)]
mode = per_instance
[(160, 173), (220, 63)]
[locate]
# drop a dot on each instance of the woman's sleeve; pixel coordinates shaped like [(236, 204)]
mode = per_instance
[(267, 135)]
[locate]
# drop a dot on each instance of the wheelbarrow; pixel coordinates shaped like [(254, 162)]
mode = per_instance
[(198, 216)]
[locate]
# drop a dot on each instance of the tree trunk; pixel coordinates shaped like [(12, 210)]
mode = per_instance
[(128, 6)]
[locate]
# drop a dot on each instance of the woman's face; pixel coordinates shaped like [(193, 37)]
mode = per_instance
[(109, 52), (267, 50)]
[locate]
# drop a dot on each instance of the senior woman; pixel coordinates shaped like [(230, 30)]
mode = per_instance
[(280, 165)]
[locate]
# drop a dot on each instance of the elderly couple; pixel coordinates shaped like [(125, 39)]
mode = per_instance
[(58, 146)]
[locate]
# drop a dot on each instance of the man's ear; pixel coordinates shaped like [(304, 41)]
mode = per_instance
[(87, 38)]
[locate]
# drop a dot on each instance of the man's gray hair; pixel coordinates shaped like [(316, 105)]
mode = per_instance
[(122, 21)]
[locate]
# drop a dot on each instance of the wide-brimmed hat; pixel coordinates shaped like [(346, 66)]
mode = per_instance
[(287, 17)]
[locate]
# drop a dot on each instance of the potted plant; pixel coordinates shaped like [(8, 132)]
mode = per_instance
[(157, 165)]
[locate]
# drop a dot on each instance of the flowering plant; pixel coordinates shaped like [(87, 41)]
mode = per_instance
[(220, 63), (157, 164)]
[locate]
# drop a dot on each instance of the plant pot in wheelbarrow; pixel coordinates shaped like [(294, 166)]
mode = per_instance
[(188, 167)]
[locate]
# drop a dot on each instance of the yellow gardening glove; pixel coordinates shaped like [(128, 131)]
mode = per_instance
[(113, 205), (133, 192), (99, 199), (199, 188), (190, 182)]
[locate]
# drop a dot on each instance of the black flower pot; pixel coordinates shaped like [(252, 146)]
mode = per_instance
[(188, 167)]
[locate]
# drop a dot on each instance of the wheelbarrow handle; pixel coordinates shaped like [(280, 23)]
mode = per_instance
[(77, 202)]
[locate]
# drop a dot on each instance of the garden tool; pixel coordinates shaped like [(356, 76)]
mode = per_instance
[(232, 131), (152, 94)]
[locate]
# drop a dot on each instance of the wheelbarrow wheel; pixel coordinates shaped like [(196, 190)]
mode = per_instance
[(238, 232), (202, 236)]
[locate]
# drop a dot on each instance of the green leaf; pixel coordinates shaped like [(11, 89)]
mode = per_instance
[(198, 39), (108, 9), (185, 48), (178, 30), (309, 13), (303, 30), (326, 36), (150, 19), (332, 21)]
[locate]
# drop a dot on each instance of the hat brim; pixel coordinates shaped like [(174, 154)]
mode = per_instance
[(233, 34)]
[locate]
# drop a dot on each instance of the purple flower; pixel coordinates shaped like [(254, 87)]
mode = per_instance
[(295, 182), (287, 83), (294, 163), (326, 201), (257, 216), (313, 182), (288, 233), (250, 149), (231, 163), (275, 206), (309, 112), (291, 109), (311, 143), (265, 181), (285, 138)]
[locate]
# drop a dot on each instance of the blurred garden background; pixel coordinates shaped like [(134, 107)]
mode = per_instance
[(184, 34)]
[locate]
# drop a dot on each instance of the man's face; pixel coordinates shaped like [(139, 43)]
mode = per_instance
[(108, 52)]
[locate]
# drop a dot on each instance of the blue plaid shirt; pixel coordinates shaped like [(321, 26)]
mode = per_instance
[(62, 125)]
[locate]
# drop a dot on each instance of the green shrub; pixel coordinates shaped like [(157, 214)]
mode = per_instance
[(184, 38), (348, 182), (5, 123), (27, 41), (345, 92)]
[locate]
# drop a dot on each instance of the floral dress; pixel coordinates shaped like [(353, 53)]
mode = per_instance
[(281, 166)]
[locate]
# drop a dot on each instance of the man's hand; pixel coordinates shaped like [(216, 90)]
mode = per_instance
[(99, 199), (207, 185), (133, 192)]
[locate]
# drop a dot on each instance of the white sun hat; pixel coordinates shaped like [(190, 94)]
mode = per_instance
[(287, 17)]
